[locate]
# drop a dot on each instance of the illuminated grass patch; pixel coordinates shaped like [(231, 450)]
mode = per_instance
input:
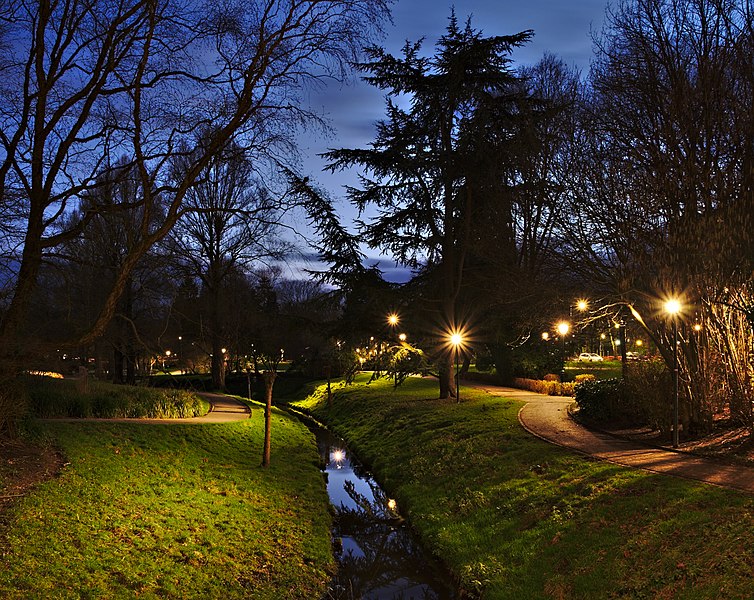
[(515, 517)]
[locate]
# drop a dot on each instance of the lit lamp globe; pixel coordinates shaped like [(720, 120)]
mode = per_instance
[(672, 306)]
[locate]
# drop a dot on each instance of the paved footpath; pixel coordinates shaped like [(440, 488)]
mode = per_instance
[(547, 417), (224, 409)]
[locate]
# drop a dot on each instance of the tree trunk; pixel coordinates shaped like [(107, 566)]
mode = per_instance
[(269, 381), (218, 364), (328, 372), (116, 373), (12, 320), (446, 376)]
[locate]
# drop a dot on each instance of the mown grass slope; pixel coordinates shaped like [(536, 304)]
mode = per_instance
[(172, 511), (515, 517)]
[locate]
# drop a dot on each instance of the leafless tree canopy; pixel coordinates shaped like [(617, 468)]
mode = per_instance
[(86, 83)]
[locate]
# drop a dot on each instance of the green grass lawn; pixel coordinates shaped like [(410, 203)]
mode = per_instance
[(172, 511), (515, 517), (607, 369)]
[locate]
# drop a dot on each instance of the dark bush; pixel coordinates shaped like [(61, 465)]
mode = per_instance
[(491, 378), (484, 363), (603, 401), (650, 393), (643, 398)]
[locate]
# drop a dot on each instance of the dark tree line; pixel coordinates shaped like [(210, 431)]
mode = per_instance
[(140, 87)]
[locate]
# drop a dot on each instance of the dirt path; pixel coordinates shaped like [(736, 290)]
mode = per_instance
[(547, 417)]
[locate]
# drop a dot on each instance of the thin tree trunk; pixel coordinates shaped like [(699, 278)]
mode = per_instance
[(269, 381), (328, 371)]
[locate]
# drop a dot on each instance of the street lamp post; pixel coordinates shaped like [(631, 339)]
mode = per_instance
[(456, 340), (563, 329), (673, 307)]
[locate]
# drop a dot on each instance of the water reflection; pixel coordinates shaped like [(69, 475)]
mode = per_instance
[(378, 555)]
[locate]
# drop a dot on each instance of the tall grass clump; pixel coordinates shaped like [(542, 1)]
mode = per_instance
[(54, 398), (545, 386)]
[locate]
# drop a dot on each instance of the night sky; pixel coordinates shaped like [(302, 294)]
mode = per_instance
[(560, 27)]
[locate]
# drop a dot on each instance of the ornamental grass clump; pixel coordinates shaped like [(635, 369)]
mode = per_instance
[(62, 399), (549, 387)]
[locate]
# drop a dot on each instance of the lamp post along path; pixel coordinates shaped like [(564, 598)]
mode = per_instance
[(456, 340), (672, 308), (563, 329)]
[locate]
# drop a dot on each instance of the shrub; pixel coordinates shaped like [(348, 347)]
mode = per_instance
[(491, 378), (484, 363), (602, 401), (643, 398), (584, 377), (551, 377), (60, 398), (649, 390), (548, 387)]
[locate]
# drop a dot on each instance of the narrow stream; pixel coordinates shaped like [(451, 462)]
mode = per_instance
[(379, 557)]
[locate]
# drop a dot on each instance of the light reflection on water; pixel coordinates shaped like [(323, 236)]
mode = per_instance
[(379, 558)]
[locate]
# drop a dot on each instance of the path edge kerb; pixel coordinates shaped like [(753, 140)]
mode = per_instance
[(549, 440), (678, 474), (626, 438)]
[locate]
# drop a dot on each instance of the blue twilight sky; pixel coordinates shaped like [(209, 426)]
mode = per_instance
[(561, 27)]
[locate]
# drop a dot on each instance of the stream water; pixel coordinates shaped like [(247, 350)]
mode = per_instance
[(378, 554)]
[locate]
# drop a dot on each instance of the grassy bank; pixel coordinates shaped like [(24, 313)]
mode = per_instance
[(172, 511), (515, 517)]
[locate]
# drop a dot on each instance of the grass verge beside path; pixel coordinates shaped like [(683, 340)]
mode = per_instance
[(172, 511), (515, 517)]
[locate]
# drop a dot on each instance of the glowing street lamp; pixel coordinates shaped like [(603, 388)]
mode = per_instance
[(582, 305), (393, 319), (402, 337), (673, 308), (456, 340), (563, 328)]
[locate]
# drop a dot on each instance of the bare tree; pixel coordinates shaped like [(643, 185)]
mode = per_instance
[(82, 79), (228, 224), (665, 202)]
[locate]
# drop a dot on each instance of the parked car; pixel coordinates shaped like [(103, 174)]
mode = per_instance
[(632, 355), (589, 357)]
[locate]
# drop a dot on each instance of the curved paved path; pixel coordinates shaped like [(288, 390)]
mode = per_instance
[(223, 409), (547, 417)]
